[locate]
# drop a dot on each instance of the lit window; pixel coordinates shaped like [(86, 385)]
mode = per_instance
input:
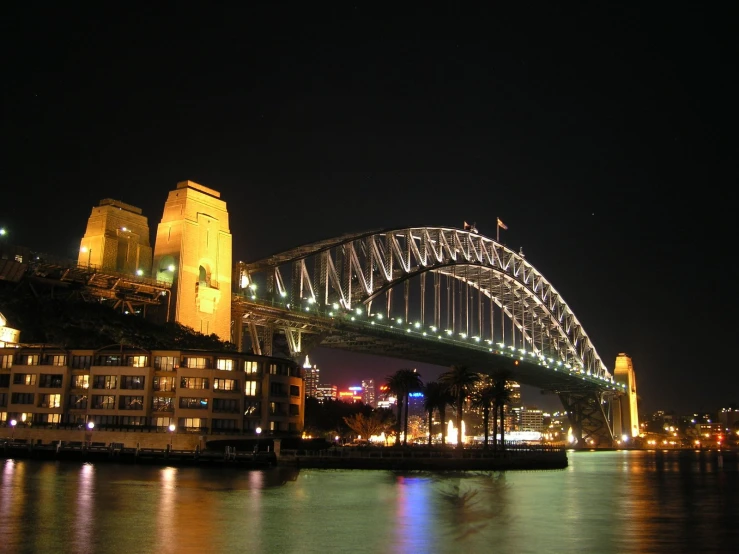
[(225, 365)]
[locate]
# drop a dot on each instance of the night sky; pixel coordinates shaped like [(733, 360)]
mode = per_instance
[(605, 138)]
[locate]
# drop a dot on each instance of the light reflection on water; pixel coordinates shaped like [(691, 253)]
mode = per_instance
[(603, 502)]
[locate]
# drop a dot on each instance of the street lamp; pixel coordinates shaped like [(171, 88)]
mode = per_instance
[(171, 434), (89, 253), (256, 446), (13, 423), (90, 426)]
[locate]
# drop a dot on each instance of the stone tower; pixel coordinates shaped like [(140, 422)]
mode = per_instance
[(117, 239), (193, 252), (626, 415)]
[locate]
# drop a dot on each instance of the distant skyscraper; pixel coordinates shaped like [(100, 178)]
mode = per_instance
[(368, 392), (311, 378), (327, 392), (531, 419)]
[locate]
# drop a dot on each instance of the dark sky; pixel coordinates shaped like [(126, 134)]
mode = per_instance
[(604, 137)]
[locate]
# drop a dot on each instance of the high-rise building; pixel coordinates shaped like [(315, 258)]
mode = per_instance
[(327, 392), (531, 419), (368, 392), (311, 374)]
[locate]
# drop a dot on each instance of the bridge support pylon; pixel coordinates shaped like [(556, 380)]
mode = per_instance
[(193, 253), (589, 414)]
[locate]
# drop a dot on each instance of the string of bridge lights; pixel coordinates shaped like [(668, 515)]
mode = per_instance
[(397, 325)]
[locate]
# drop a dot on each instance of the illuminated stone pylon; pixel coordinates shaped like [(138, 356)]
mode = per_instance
[(193, 252), (626, 413), (116, 238)]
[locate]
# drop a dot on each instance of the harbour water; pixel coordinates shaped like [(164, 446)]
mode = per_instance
[(616, 501)]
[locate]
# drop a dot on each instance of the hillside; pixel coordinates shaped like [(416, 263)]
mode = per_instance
[(73, 323)]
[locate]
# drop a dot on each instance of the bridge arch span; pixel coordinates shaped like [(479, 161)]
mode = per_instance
[(479, 288)]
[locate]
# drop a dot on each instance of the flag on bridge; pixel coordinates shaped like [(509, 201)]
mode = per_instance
[(502, 225)]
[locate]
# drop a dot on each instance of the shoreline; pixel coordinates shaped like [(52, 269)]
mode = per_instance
[(388, 458)]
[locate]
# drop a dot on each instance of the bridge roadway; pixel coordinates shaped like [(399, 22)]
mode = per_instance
[(393, 338)]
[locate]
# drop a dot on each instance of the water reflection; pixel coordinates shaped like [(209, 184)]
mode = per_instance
[(603, 502)]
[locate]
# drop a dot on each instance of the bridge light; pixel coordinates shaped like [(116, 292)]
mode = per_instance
[(449, 332), (477, 339), (399, 321), (463, 335), (335, 306), (139, 272), (501, 345), (358, 311), (417, 325), (433, 328), (283, 293), (379, 316), (515, 362), (252, 286), (311, 300)]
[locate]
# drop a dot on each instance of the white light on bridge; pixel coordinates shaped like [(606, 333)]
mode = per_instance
[(417, 325)]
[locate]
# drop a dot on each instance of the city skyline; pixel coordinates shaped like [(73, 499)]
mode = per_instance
[(602, 138)]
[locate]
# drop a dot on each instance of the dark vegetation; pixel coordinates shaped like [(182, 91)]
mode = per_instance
[(68, 321)]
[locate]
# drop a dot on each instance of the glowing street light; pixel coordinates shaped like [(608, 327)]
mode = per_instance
[(13, 423), (89, 253), (90, 426), (171, 434), (256, 446)]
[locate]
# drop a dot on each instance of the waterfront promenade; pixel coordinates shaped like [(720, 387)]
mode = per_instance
[(416, 458)]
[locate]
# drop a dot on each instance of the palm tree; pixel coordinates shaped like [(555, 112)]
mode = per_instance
[(484, 398), (502, 396), (459, 379), (436, 397), (401, 384)]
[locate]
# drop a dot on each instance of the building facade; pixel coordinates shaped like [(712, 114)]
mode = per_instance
[(368, 392), (312, 378), (200, 392)]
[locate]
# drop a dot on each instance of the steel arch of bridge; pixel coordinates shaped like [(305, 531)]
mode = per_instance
[(467, 268)]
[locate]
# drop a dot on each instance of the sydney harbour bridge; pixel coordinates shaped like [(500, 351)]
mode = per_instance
[(430, 294), (439, 295)]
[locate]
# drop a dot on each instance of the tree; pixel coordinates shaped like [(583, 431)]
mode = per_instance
[(501, 397), (485, 400), (436, 396), (401, 384), (459, 380), (366, 426)]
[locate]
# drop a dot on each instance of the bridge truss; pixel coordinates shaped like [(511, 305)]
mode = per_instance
[(430, 294)]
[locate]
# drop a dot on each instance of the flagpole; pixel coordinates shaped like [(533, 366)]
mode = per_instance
[(497, 232)]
